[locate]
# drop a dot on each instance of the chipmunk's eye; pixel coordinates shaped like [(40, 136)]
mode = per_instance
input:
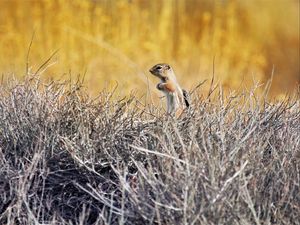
[(159, 67)]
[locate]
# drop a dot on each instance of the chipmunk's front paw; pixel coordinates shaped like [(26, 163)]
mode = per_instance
[(167, 87), (160, 86)]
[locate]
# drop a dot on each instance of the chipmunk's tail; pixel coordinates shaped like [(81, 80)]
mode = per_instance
[(186, 98)]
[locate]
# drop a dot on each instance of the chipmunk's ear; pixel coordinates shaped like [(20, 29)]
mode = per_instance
[(168, 67)]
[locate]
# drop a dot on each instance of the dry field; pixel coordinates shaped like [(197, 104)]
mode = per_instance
[(70, 154), (118, 40), (68, 158)]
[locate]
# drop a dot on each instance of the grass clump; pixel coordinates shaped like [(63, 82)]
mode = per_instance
[(67, 158)]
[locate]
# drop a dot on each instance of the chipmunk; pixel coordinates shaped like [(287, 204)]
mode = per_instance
[(176, 96)]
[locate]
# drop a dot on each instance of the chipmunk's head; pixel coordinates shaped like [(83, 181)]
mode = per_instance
[(161, 71)]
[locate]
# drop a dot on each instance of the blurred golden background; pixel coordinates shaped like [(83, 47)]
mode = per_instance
[(119, 40)]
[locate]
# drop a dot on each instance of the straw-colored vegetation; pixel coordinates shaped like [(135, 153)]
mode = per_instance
[(74, 152), (68, 159), (119, 40)]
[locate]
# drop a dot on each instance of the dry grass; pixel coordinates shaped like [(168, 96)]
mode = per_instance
[(69, 159)]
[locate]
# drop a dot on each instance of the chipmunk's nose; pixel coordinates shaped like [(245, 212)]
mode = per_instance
[(151, 70)]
